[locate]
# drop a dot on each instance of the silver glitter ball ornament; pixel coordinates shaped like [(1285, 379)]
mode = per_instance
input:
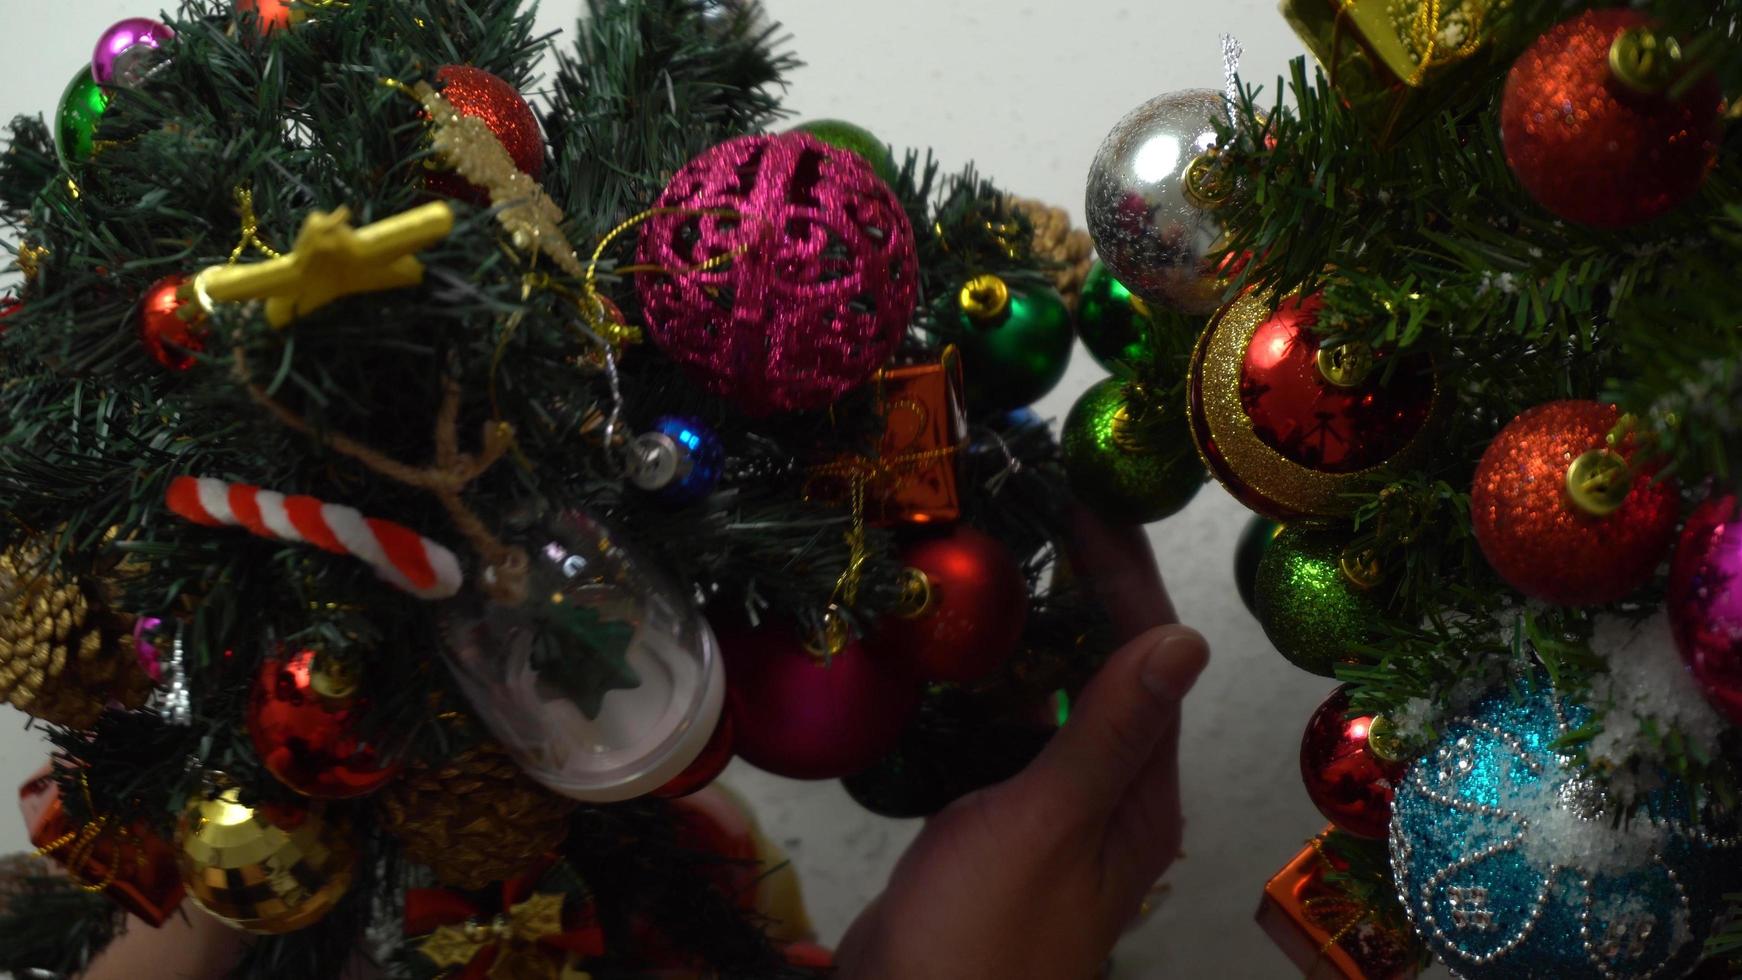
[(1148, 207)]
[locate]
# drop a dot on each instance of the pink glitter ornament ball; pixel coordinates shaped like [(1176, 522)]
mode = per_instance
[(813, 272)]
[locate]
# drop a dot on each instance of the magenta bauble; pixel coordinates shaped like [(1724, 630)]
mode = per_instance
[(970, 603), (789, 272), (127, 50), (1705, 602), (796, 715)]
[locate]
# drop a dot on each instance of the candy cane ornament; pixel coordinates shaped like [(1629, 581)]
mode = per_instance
[(400, 555)]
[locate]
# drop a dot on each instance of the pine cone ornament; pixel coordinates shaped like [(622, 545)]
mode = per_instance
[(475, 819), (65, 653), (1057, 241)]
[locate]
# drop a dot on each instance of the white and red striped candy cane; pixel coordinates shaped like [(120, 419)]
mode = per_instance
[(400, 555)]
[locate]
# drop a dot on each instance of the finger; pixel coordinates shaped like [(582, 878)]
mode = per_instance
[(1147, 828), (1119, 566), (1117, 723)]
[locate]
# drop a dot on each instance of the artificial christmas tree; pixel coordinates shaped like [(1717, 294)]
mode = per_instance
[(442, 424), (1476, 345)]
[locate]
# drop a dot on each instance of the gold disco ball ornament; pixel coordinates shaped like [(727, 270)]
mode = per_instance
[(267, 869)]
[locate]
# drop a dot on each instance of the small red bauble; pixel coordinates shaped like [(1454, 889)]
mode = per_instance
[(796, 715), (1349, 784), (477, 93), (968, 603), (9, 305), (1534, 535), (821, 282), (1705, 602), (303, 721), (1591, 149), (701, 773), (272, 13), (170, 340)]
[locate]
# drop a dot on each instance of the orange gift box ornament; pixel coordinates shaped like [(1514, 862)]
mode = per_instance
[(912, 479), (1325, 931), (132, 865)]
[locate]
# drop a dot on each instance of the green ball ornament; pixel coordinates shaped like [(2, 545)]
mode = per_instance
[(1015, 344), (75, 122), (1129, 464), (1316, 603), (1254, 542), (1116, 326), (844, 135)]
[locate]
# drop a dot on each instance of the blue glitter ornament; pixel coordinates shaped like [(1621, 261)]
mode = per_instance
[(679, 460), (1511, 862)]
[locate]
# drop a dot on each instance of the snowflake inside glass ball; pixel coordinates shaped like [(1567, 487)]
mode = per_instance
[(1512, 864), (788, 272)]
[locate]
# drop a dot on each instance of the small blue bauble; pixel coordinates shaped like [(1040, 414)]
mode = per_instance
[(1509, 860), (701, 458)]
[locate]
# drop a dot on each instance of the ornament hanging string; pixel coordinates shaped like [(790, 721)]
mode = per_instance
[(250, 228), (861, 474)]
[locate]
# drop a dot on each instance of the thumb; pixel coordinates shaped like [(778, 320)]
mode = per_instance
[(1120, 719)]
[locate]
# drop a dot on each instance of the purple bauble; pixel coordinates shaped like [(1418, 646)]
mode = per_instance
[(1705, 602), (125, 52), (790, 272)]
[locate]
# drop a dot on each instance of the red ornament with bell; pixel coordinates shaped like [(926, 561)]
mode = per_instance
[(303, 720), (170, 338), (132, 865), (1597, 127), (964, 604), (1292, 427), (804, 714), (476, 93), (1567, 510), (1348, 779), (1705, 601)]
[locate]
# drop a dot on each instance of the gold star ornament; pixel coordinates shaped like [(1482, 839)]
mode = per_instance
[(331, 260)]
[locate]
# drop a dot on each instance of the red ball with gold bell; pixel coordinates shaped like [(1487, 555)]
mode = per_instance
[(1567, 509), (963, 610), (1350, 771), (1291, 426), (303, 719), (170, 337)]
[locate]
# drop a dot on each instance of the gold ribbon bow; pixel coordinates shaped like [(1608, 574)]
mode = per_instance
[(515, 935)]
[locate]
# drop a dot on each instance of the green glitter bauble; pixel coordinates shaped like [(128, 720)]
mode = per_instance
[(1127, 468), (1313, 613), (75, 123), (1016, 359), (1254, 542), (844, 135)]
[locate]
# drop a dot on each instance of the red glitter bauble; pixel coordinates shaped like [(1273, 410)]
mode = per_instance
[(170, 340), (477, 93), (1533, 534), (1589, 148), (1705, 602), (1349, 784), (792, 272), (969, 605), (706, 768), (303, 721), (797, 715)]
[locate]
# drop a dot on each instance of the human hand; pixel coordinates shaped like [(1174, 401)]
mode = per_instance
[(1037, 876)]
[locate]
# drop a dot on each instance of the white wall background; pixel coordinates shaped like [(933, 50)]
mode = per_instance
[(1027, 88)]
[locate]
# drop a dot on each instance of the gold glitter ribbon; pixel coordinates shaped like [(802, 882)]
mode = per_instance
[(83, 842)]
